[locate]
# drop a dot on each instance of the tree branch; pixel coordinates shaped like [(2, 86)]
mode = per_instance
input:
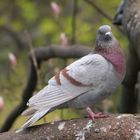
[(41, 54), (17, 38), (118, 127), (131, 25)]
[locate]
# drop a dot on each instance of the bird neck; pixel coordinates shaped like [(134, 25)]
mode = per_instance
[(115, 56)]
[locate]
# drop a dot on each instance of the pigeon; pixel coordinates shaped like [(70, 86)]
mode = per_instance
[(84, 82)]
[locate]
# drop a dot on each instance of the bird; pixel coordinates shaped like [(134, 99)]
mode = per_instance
[(83, 83)]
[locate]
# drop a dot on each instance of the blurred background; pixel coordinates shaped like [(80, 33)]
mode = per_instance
[(60, 22)]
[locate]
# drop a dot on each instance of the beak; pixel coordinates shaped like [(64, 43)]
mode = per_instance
[(108, 34)]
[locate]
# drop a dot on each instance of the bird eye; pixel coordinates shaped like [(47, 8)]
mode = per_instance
[(101, 32)]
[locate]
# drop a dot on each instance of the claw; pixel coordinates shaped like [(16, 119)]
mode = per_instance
[(94, 116)]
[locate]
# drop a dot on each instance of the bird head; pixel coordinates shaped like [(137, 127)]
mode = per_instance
[(105, 37), (108, 46)]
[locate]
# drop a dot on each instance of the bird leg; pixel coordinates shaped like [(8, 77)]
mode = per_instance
[(94, 116)]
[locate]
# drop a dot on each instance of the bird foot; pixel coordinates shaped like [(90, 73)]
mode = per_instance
[(94, 116)]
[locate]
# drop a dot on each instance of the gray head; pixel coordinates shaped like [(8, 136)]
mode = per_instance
[(105, 36)]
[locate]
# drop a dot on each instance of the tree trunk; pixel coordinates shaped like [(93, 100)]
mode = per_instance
[(131, 25)]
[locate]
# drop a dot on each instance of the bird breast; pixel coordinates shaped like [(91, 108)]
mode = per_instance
[(105, 88)]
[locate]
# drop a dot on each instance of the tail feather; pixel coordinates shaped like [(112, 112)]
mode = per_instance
[(29, 111), (38, 115)]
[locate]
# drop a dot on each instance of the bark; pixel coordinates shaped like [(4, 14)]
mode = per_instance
[(137, 91), (41, 54), (117, 127), (131, 25)]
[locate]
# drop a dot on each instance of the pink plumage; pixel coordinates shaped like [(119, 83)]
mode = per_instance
[(114, 55), (84, 82)]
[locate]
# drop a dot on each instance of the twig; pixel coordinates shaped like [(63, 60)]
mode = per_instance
[(75, 6), (92, 3), (32, 51)]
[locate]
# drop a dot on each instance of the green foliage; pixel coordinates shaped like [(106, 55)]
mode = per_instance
[(48, 26), (27, 9), (45, 28)]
